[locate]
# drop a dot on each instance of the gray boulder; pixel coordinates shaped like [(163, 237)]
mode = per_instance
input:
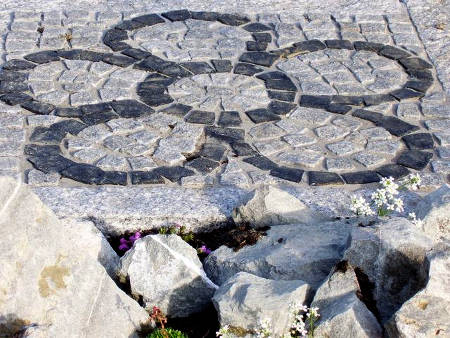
[(273, 206), (51, 278), (434, 211), (342, 313), (393, 255), (245, 299), (288, 252), (427, 313), (167, 273)]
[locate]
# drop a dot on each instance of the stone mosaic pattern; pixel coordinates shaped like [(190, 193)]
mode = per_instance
[(224, 99)]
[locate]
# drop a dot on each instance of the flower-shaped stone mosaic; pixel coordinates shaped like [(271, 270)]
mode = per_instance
[(213, 90)]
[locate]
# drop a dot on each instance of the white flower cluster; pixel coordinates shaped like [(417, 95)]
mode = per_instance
[(413, 218), (264, 329), (298, 326), (386, 198), (360, 206)]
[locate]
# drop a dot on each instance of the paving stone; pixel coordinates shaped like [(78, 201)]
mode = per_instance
[(311, 116), (90, 174), (42, 57), (369, 160), (262, 115), (270, 147), (232, 19), (443, 138), (131, 108), (281, 108), (419, 141), (361, 177), (278, 81), (265, 131), (259, 58), (174, 174), (228, 135), (339, 44), (178, 15), (203, 165), (229, 119), (343, 148), (324, 178), (119, 60), (17, 64), (372, 100), (442, 167), (318, 101), (222, 66), (289, 174), (261, 162), (393, 170), (243, 149), (415, 62), (39, 178), (394, 52), (149, 19), (331, 132), (414, 159), (339, 164), (247, 69), (198, 67), (281, 95), (406, 93), (420, 86), (304, 158), (443, 152), (201, 117)]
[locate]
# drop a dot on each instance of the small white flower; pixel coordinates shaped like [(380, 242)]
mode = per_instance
[(413, 218), (223, 331)]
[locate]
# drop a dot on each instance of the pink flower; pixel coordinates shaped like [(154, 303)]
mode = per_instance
[(135, 237), (205, 250), (124, 247)]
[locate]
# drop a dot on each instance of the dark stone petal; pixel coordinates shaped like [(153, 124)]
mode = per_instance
[(254, 46), (348, 100), (281, 96), (213, 151), (146, 177), (197, 67), (156, 79), (259, 58), (376, 99), (262, 37), (247, 69), (115, 35), (115, 45), (129, 25), (12, 87), (10, 75), (205, 16), (70, 54), (414, 159), (16, 64), (394, 52), (47, 135), (289, 174), (396, 126), (309, 46), (315, 101), (393, 170), (229, 119), (202, 165), (339, 44), (415, 63), (174, 174), (41, 150), (262, 115), (324, 178), (261, 162), (96, 118), (69, 112), (131, 108), (277, 80), (149, 19), (361, 177), (155, 100), (256, 27), (421, 86), (421, 74), (136, 53), (338, 108), (15, 98), (119, 60), (152, 63), (369, 46), (201, 117), (90, 174), (149, 90), (177, 109), (114, 177), (232, 19), (281, 108), (96, 108), (419, 141), (405, 93), (42, 57), (50, 163), (228, 135), (222, 66), (68, 126), (243, 149), (38, 107), (178, 15), (88, 55), (368, 115)]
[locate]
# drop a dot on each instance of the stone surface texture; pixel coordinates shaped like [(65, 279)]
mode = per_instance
[(52, 275)]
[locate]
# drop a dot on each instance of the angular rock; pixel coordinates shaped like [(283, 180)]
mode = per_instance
[(263, 298), (166, 272), (288, 252), (414, 159), (392, 253), (342, 313), (53, 276), (273, 206), (434, 211)]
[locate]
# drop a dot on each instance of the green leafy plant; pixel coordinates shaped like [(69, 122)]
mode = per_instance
[(180, 230), (167, 333)]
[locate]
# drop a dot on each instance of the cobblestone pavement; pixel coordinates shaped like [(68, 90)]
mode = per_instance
[(201, 98)]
